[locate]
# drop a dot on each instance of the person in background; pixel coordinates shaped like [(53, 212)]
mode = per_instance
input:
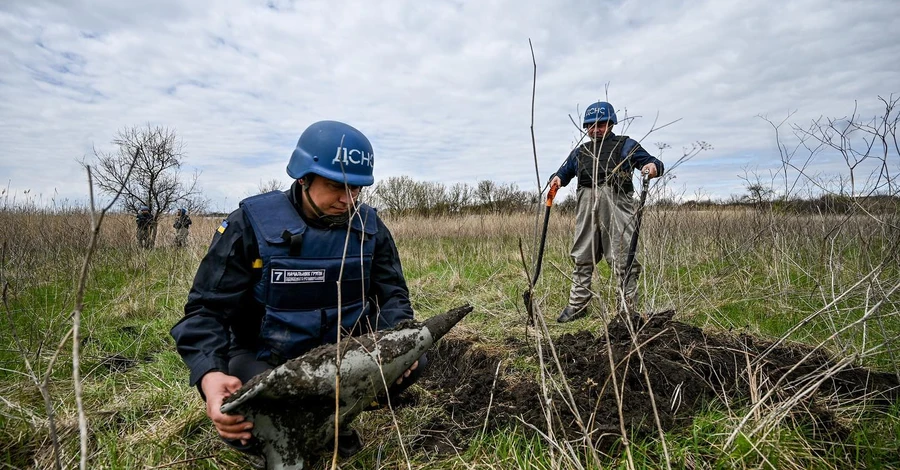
[(182, 227), (144, 223), (605, 206)]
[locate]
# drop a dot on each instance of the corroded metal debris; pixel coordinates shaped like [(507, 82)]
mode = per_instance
[(292, 407)]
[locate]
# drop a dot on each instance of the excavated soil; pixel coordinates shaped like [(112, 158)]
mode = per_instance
[(687, 368)]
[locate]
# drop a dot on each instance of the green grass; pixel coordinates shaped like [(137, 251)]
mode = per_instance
[(144, 414)]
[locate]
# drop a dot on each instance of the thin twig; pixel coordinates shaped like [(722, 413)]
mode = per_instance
[(537, 172), (79, 308), (491, 400), (637, 349)]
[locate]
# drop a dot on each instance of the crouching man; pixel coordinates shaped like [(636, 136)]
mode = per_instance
[(267, 291)]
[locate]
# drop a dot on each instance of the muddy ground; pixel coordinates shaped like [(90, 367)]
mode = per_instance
[(687, 368)]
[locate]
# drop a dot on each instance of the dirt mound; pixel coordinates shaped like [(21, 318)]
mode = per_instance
[(684, 368)]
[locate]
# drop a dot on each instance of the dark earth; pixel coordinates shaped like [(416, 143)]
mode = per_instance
[(687, 369)]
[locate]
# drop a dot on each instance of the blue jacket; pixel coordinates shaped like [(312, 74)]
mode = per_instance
[(223, 312)]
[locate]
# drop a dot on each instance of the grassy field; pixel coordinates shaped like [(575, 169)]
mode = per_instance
[(827, 281)]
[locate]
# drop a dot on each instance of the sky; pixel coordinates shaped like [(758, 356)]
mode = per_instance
[(443, 89)]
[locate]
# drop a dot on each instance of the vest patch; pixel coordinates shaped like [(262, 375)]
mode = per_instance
[(297, 276)]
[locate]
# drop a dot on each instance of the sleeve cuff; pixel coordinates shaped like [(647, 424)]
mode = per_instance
[(205, 365)]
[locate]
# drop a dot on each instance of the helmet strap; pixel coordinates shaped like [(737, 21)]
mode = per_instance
[(307, 180), (327, 220)]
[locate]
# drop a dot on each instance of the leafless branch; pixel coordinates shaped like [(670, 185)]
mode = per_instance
[(96, 222)]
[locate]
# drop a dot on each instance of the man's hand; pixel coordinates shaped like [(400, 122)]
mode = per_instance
[(407, 372), (649, 169), (556, 181), (218, 386)]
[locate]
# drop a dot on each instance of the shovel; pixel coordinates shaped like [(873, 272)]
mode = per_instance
[(638, 215), (526, 296)]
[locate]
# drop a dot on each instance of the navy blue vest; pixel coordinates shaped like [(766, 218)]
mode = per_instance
[(614, 149), (301, 268)]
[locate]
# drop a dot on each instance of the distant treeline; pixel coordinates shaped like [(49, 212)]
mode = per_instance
[(404, 196), (825, 204)]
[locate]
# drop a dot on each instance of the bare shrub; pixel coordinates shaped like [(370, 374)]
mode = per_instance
[(156, 181)]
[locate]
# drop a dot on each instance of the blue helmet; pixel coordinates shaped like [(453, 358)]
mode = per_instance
[(599, 112), (145, 209), (335, 151), (182, 211)]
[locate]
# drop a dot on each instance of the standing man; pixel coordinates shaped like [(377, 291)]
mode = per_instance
[(144, 223), (182, 227), (605, 206), (267, 291)]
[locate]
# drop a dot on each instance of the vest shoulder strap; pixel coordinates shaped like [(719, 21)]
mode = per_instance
[(365, 221), (272, 214), (628, 145)]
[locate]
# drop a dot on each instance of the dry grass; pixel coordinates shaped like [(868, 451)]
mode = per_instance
[(761, 272)]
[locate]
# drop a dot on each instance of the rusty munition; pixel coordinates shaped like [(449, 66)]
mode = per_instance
[(293, 406)]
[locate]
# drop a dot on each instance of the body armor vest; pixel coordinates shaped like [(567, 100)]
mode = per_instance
[(301, 267), (613, 150)]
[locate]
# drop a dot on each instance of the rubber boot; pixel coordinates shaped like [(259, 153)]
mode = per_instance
[(572, 313)]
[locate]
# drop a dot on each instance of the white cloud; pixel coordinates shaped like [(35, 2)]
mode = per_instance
[(442, 89)]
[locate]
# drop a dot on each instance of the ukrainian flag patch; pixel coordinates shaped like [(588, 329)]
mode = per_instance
[(222, 227)]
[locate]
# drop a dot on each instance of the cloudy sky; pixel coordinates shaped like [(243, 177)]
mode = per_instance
[(442, 89)]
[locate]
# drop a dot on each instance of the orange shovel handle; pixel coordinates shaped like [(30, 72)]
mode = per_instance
[(551, 194)]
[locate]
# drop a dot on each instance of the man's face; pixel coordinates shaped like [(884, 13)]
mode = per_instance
[(332, 197), (597, 130)]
